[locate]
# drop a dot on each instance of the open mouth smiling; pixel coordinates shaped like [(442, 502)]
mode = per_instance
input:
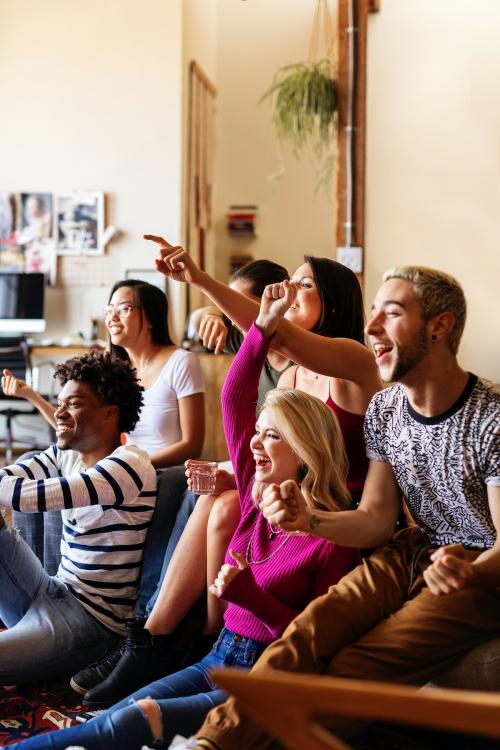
[(261, 461), (381, 350), (62, 429)]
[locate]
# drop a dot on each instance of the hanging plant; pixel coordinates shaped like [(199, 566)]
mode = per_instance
[(305, 100), (304, 106)]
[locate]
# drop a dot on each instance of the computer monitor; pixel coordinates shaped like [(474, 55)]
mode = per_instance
[(22, 297)]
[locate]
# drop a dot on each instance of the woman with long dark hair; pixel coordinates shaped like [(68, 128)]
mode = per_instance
[(322, 332), (171, 425)]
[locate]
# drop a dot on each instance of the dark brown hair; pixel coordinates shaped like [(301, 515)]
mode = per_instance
[(154, 305)]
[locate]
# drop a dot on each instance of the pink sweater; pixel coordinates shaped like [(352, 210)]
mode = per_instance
[(294, 569)]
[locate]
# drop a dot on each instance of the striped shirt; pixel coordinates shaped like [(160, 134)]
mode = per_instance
[(106, 514)]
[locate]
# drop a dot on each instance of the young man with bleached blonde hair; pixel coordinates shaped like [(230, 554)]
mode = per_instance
[(437, 292), (430, 593)]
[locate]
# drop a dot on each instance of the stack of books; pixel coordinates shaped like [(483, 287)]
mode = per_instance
[(241, 220)]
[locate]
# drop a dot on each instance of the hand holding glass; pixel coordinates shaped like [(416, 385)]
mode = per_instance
[(203, 474)]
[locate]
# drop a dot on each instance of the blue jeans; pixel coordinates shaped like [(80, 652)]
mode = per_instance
[(167, 525), (42, 531), (49, 633), (184, 699)]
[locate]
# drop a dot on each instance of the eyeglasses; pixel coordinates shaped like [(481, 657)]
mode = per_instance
[(122, 310)]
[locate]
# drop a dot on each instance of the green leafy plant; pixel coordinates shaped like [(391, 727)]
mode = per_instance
[(305, 102)]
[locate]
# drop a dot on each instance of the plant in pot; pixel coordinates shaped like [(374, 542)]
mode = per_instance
[(305, 102)]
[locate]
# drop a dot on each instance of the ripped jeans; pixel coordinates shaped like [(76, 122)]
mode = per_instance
[(49, 632), (184, 699)]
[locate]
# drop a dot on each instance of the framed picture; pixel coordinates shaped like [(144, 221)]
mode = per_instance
[(80, 223), (35, 217), (34, 234), (26, 238), (7, 217), (11, 255)]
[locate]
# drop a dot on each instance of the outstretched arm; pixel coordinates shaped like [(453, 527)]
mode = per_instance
[(370, 525), (178, 265), (338, 358), (16, 387), (38, 485)]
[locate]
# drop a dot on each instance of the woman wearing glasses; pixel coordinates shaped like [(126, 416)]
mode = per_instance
[(171, 425)]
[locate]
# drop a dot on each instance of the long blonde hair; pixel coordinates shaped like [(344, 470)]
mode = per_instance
[(312, 431)]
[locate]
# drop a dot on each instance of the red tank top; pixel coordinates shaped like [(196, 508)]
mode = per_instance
[(351, 426), (352, 429)]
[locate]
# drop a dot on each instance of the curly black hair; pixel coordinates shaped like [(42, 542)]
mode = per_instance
[(112, 380)]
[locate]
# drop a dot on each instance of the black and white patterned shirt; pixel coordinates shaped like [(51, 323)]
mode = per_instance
[(442, 464), (106, 513)]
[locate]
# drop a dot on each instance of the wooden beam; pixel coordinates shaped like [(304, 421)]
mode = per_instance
[(195, 68), (357, 29)]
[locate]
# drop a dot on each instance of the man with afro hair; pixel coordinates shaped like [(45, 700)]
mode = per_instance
[(106, 493)]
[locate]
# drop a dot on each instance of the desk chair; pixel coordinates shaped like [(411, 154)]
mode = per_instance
[(14, 356)]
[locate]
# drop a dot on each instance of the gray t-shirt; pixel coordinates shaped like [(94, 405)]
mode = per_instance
[(442, 464)]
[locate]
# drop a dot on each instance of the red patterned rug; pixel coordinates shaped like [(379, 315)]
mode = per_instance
[(26, 711)]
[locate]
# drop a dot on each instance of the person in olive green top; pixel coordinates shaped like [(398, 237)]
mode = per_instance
[(220, 334)]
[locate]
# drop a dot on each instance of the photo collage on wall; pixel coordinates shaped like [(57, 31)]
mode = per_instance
[(37, 227)]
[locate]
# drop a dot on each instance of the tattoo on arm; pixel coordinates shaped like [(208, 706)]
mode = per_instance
[(313, 522)]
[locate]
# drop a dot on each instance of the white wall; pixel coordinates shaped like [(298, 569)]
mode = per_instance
[(433, 139), (91, 97), (254, 39), (200, 35)]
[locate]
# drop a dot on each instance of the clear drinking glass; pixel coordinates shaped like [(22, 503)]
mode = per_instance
[(203, 476)]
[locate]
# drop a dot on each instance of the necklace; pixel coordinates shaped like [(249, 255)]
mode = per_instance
[(274, 532), (248, 554)]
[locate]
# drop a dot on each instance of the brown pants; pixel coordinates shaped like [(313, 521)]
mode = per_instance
[(376, 624)]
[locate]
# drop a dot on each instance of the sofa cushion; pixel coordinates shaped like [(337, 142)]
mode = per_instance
[(477, 670)]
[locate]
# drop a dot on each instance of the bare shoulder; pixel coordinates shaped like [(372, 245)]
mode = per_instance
[(354, 396)]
